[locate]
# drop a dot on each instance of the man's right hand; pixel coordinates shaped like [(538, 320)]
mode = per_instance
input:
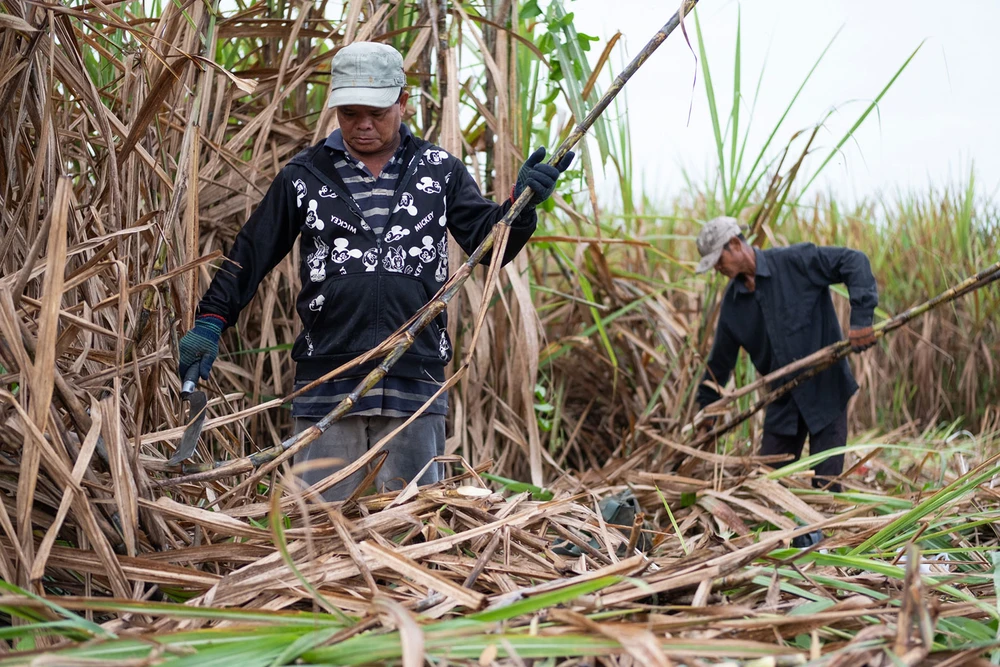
[(861, 338), (200, 346)]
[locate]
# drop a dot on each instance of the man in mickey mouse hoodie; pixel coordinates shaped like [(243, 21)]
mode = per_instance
[(373, 205)]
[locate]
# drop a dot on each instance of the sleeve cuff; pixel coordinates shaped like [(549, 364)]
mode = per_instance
[(213, 318), (862, 319), (526, 221)]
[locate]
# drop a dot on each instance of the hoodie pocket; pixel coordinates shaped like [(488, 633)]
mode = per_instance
[(339, 314), (402, 297)]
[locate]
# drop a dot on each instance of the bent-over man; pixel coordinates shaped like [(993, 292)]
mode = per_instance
[(777, 307)]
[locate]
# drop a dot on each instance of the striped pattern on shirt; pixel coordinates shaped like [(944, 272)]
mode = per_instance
[(392, 397), (372, 194)]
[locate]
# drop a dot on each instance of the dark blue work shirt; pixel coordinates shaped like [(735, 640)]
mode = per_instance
[(788, 316)]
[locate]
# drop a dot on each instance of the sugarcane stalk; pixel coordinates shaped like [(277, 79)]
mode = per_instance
[(819, 361), (217, 470), (148, 302)]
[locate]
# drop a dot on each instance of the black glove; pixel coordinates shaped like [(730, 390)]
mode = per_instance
[(540, 177)]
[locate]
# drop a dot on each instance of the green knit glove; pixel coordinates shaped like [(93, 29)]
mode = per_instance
[(200, 346)]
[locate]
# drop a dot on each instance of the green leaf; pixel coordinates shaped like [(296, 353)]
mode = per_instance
[(754, 176), (673, 521), (559, 20), (78, 622), (954, 492), (544, 601), (712, 108), (734, 114), (585, 40), (519, 487), (546, 43), (35, 629), (304, 643), (871, 107), (556, 72), (529, 10)]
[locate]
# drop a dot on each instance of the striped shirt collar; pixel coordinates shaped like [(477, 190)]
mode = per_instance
[(373, 193)]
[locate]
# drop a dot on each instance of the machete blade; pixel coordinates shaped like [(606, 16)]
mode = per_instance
[(197, 402)]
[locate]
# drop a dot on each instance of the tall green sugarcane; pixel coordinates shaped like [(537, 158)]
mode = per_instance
[(401, 341), (819, 361)]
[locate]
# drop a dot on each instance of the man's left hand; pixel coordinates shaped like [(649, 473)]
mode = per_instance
[(862, 338), (540, 177)]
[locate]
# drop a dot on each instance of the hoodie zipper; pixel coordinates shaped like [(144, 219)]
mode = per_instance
[(404, 179)]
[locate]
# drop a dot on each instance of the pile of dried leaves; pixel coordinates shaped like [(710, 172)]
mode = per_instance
[(656, 567)]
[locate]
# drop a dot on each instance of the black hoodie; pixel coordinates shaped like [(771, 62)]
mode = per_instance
[(358, 288)]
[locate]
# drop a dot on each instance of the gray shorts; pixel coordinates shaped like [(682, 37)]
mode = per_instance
[(349, 439)]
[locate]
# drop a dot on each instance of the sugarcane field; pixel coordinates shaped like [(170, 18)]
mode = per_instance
[(499, 332)]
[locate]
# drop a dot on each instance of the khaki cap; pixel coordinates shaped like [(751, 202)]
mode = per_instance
[(712, 238), (366, 74)]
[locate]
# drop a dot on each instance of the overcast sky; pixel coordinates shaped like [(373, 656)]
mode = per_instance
[(939, 118)]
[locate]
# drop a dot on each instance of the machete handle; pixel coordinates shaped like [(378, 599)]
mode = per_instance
[(190, 380)]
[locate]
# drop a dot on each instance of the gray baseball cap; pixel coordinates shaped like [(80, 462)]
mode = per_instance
[(367, 74), (712, 238)]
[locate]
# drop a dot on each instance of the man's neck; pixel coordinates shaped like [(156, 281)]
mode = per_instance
[(749, 273)]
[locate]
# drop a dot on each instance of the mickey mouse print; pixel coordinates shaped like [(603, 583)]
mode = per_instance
[(370, 259), (394, 260), (341, 252), (427, 254), (428, 185), (300, 192), (406, 204), (441, 274), (395, 233), (435, 156), (317, 260), (312, 219)]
